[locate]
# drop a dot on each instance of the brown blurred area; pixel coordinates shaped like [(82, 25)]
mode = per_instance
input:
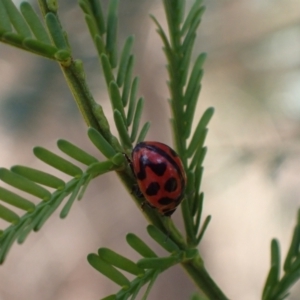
[(251, 180)]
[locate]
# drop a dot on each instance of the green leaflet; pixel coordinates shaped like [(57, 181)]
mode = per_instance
[(99, 168), (66, 209), (40, 48), (4, 19), (98, 15), (111, 34), (159, 262), (139, 246), (203, 229), (108, 270), (107, 69), (143, 132), (101, 143), (16, 19), (75, 152), (57, 162), (124, 60), (122, 129), (16, 200), (24, 184), (34, 23), (56, 31), (191, 15), (132, 100), (127, 81), (115, 98), (8, 215), (92, 27), (163, 240), (120, 261), (39, 177), (293, 253), (200, 127), (137, 119)]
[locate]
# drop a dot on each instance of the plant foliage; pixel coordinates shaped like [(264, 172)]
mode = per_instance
[(45, 36)]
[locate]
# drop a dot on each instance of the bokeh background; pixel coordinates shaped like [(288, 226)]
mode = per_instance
[(251, 180)]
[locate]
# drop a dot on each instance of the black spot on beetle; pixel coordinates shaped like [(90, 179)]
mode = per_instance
[(159, 169), (153, 188), (165, 200), (171, 185)]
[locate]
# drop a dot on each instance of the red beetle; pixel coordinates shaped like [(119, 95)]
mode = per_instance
[(160, 175)]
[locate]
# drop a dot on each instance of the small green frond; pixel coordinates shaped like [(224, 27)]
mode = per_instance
[(191, 33), (143, 132), (189, 189), (198, 178), (108, 270), (101, 143), (195, 77), (122, 129), (5, 24), (198, 205), (84, 5), (115, 98), (76, 152), (98, 15), (56, 31), (16, 200), (112, 29), (137, 119), (107, 70), (191, 16), (8, 240), (293, 251), (159, 262), (35, 23), (132, 100), (198, 212), (16, 19), (57, 162), (24, 184), (185, 61), (139, 246), (120, 261), (124, 60), (160, 31), (99, 44), (150, 285), (66, 209), (200, 152), (203, 122), (92, 28), (198, 157), (39, 177), (127, 80), (13, 39), (8, 215), (40, 48), (162, 239), (203, 229), (102, 167)]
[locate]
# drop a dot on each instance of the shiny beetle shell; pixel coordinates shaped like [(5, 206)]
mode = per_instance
[(160, 175)]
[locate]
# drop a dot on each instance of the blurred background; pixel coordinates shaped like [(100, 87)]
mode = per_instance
[(251, 179)]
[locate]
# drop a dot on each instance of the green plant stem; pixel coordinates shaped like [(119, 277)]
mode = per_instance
[(81, 95), (203, 280)]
